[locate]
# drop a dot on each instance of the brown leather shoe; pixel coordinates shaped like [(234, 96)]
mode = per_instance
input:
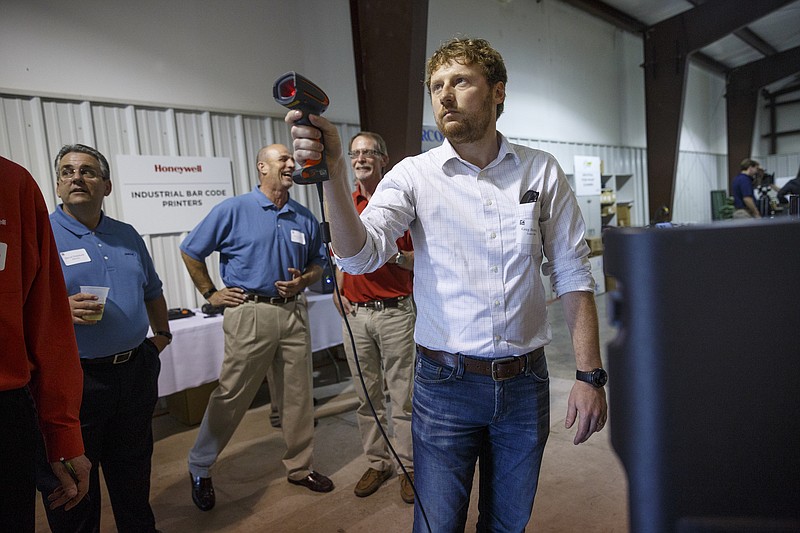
[(202, 492), (314, 481), (371, 481), (406, 490)]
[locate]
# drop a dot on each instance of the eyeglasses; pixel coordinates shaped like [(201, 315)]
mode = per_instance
[(355, 154), (69, 173)]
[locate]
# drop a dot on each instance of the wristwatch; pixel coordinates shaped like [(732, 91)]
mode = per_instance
[(166, 334), (596, 378), (399, 259), (209, 292)]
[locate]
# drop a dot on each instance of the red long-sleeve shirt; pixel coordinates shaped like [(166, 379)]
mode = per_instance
[(37, 338)]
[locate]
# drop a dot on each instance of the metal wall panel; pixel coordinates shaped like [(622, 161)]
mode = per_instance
[(783, 166), (33, 129), (698, 174)]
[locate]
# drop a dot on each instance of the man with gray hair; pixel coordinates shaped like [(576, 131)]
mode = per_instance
[(380, 310), (120, 363)]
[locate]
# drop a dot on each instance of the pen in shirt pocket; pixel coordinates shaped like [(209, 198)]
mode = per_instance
[(529, 197)]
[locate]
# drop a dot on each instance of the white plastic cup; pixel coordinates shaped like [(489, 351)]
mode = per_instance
[(101, 293)]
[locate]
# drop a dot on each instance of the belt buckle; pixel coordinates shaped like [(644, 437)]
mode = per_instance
[(378, 305), (500, 361), (123, 357)]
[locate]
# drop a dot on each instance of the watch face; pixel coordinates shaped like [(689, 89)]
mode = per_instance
[(599, 377)]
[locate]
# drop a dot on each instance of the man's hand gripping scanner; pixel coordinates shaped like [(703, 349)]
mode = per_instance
[(296, 92)]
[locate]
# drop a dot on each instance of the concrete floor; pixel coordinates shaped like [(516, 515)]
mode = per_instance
[(581, 488)]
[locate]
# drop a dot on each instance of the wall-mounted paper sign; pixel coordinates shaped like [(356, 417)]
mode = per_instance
[(587, 175), (169, 194)]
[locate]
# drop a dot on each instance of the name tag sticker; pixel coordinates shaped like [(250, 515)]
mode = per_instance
[(3, 252), (298, 236), (526, 225), (75, 257)]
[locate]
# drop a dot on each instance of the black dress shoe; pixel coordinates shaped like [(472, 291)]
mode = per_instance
[(202, 492), (314, 481)]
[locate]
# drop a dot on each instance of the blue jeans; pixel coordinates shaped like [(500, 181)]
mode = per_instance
[(459, 418)]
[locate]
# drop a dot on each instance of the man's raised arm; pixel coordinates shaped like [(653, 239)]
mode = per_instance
[(347, 231)]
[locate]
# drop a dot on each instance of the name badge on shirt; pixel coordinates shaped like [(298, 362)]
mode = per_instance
[(3, 252), (526, 226), (75, 257), (298, 236)]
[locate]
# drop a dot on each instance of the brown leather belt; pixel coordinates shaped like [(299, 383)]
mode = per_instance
[(263, 298), (499, 369), (380, 305)]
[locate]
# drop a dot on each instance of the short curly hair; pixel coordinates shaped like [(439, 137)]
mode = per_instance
[(469, 52)]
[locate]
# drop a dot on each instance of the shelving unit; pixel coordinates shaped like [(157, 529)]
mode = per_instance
[(616, 198)]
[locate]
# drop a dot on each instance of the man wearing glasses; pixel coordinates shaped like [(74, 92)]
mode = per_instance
[(381, 313), (120, 365)]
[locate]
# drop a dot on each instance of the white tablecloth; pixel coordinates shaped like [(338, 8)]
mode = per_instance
[(195, 355)]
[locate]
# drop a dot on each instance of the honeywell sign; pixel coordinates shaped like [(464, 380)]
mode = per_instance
[(162, 194)]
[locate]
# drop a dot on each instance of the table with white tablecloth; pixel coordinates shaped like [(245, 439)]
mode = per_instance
[(195, 355)]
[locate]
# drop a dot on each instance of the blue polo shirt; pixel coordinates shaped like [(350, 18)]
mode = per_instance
[(257, 242), (112, 255), (741, 186)]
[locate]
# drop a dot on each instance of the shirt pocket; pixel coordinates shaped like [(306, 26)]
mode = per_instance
[(529, 235)]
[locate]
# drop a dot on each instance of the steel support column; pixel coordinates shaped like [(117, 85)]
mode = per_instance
[(389, 42), (667, 47), (741, 93)]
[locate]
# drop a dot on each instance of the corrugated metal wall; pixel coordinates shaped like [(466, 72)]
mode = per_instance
[(33, 129)]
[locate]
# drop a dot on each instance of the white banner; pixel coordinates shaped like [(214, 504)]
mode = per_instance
[(170, 194), (587, 175)]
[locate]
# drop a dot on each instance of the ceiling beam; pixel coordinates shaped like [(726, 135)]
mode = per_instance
[(609, 14), (750, 38), (753, 40)]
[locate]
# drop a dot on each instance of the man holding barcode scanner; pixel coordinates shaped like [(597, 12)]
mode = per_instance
[(481, 382)]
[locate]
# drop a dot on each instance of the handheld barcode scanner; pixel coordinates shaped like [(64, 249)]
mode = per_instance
[(296, 92)]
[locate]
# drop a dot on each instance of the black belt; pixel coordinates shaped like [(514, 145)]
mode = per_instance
[(500, 369), (263, 298), (380, 305), (116, 359)]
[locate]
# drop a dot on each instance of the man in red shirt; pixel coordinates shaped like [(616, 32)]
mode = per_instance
[(38, 358), (381, 313)]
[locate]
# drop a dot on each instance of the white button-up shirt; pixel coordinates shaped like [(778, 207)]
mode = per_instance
[(477, 249)]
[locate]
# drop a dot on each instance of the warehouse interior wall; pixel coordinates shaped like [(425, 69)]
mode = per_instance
[(195, 78)]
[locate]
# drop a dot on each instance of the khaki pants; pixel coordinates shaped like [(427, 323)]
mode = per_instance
[(258, 335), (386, 350)]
